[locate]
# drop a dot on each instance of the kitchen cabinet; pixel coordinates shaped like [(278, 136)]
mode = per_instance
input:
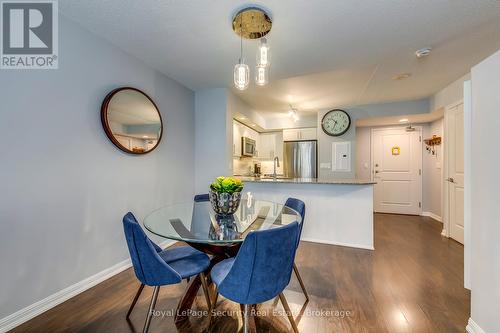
[(297, 134), (236, 139), (291, 135), (271, 145), (267, 146), (239, 131)]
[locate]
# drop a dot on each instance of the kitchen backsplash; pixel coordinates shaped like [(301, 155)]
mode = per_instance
[(244, 166), (267, 167)]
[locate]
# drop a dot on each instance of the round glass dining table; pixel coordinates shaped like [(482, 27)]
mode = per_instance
[(197, 224)]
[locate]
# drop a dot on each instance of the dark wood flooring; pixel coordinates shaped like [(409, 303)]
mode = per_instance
[(412, 282)]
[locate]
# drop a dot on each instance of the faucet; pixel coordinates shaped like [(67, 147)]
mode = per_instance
[(276, 164)]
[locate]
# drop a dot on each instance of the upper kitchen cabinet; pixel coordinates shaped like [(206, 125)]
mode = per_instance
[(239, 131), (271, 145), (299, 134), (236, 139)]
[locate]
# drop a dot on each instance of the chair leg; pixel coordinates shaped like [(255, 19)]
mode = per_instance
[(213, 304), (289, 313), (151, 309), (296, 270), (245, 319), (204, 284), (136, 297)]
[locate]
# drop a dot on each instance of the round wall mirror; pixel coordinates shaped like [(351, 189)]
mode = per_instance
[(131, 120)]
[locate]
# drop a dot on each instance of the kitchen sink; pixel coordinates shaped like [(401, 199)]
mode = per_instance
[(266, 177)]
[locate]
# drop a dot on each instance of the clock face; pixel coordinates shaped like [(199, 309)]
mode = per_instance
[(336, 122)]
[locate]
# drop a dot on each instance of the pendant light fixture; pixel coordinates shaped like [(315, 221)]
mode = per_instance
[(252, 23), (263, 53), (262, 68), (241, 70), (261, 75)]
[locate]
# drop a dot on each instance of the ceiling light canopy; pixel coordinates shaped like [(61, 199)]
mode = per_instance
[(252, 23)]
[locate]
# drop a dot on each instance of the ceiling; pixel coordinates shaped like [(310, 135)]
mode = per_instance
[(420, 118), (325, 53)]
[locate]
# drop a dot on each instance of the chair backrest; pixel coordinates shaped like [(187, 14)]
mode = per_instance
[(300, 207), (263, 266), (201, 197), (149, 267)]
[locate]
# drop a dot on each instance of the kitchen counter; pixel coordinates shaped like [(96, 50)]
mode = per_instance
[(339, 211), (306, 180)]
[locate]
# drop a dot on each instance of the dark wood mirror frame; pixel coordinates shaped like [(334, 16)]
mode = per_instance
[(107, 128)]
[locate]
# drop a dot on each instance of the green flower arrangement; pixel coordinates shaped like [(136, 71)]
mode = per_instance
[(227, 185)]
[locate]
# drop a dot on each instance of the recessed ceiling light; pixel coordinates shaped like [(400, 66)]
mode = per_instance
[(145, 136), (242, 118), (401, 76), (423, 52), (253, 125), (404, 120)]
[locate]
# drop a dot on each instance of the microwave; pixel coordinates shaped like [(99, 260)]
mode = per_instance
[(248, 147)]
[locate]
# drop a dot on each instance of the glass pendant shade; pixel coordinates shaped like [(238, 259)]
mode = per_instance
[(261, 75), (241, 75), (263, 54)]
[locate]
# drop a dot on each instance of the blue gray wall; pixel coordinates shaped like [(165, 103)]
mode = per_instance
[(65, 187)]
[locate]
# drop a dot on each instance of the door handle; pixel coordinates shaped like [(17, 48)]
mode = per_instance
[(451, 180)]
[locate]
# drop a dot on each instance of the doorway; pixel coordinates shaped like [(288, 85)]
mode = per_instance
[(454, 171), (397, 170)]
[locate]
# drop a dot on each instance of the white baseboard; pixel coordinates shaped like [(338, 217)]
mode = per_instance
[(321, 241), (432, 215), (473, 327), (31, 311)]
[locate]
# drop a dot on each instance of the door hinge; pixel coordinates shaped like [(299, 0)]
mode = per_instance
[(420, 138), (420, 172), (419, 205)]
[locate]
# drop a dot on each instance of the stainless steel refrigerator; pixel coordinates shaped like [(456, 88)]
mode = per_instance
[(300, 159)]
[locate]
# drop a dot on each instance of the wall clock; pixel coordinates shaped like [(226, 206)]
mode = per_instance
[(336, 122)]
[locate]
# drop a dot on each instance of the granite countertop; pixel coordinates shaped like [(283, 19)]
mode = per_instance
[(306, 180)]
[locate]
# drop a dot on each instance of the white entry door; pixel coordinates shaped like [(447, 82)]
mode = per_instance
[(455, 166), (397, 169)]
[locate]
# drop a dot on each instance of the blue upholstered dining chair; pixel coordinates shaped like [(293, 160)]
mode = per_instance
[(260, 271), (300, 207), (201, 197), (156, 267)]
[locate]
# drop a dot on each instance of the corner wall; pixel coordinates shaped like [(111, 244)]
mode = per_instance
[(485, 193), (213, 137), (432, 181)]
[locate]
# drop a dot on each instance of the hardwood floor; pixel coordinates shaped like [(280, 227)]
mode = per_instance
[(412, 282)]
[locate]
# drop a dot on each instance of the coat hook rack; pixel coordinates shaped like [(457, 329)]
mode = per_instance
[(432, 143)]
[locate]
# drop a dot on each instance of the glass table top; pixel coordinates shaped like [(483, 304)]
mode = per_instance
[(196, 222)]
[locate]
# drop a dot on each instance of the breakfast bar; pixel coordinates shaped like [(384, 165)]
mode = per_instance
[(339, 212)]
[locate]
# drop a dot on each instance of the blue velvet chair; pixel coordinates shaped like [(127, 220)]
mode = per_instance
[(300, 207), (260, 271), (156, 267), (201, 197)]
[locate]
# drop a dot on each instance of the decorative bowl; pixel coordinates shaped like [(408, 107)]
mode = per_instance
[(225, 203)]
